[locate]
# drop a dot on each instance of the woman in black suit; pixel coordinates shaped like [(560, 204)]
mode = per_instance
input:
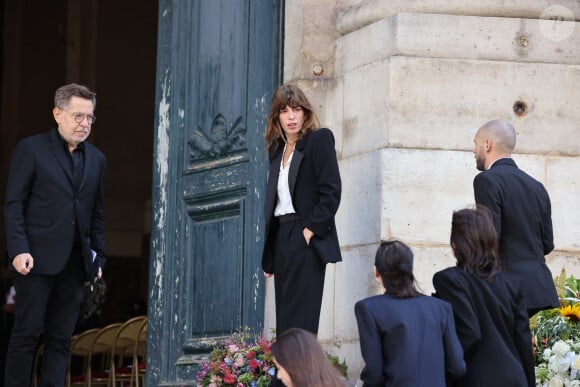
[(302, 198), (406, 338), (490, 316)]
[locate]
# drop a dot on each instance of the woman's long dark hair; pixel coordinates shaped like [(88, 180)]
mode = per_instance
[(394, 262), (293, 96), (302, 357), (474, 242)]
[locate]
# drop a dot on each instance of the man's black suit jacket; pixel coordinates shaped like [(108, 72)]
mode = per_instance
[(522, 216), (315, 187), (44, 205)]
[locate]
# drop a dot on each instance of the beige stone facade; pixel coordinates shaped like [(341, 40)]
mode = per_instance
[(404, 84)]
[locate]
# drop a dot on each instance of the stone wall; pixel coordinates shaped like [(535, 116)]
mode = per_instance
[(404, 85)]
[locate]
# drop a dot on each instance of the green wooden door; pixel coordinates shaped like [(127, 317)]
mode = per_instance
[(218, 64)]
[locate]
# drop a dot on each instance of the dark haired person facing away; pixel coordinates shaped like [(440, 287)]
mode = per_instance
[(406, 338), (490, 315)]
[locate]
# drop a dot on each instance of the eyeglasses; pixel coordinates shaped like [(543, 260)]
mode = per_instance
[(79, 117)]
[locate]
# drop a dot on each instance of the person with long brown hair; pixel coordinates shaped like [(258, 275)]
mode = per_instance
[(488, 305), (301, 361), (406, 338), (302, 197)]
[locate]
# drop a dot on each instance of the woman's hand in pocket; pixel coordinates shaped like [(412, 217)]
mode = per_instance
[(307, 235)]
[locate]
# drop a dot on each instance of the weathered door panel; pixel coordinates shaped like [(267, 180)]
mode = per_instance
[(218, 63)]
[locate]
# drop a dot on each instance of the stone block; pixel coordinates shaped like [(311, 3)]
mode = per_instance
[(332, 113), (348, 351), (429, 260), (371, 44), (487, 38), (366, 112), (354, 281), (564, 260), (533, 165), (269, 307), (328, 309), (293, 39), (420, 190), (309, 38), (356, 15), (564, 187), (440, 103), (359, 214), (460, 37)]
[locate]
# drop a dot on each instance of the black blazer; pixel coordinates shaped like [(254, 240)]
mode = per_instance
[(493, 327), (43, 205), (408, 342), (522, 216), (315, 187)]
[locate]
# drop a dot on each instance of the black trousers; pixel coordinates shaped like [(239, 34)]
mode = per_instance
[(47, 305), (298, 280)]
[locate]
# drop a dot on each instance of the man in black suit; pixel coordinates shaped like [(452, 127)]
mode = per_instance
[(55, 233), (521, 211)]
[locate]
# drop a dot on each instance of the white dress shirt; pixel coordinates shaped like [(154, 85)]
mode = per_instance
[(284, 205)]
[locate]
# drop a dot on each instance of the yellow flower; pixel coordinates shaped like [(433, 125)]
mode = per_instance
[(571, 312)]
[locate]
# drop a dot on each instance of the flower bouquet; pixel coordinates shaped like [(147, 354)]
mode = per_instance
[(242, 360), (560, 366), (556, 337)]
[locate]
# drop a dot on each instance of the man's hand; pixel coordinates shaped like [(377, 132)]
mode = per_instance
[(23, 263), (99, 275)]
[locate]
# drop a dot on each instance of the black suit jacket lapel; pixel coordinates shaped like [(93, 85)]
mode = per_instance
[(294, 167), (295, 164), (273, 174)]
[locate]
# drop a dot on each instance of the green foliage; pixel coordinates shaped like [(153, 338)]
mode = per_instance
[(341, 367), (550, 330), (568, 288), (542, 373), (549, 326)]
